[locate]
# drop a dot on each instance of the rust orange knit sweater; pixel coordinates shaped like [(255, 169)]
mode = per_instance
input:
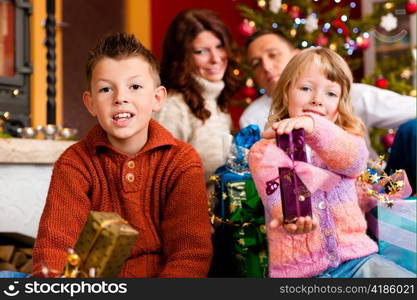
[(165, 200)]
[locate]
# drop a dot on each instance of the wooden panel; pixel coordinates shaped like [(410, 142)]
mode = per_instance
[(84, 23)]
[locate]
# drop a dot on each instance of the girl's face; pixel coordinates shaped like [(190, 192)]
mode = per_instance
[(313, 93), (209, 56)]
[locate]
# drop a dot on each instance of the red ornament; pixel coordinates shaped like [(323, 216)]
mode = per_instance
[(411, 7), (339, 24), (387, 140), (245, 28), (294, 12), (381, 83), (362, 42), (249, 92), (322, 41)]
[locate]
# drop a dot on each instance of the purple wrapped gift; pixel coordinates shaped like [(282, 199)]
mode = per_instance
[(295, 197)]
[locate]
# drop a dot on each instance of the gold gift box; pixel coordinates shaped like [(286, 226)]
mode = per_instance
[(104, 244)]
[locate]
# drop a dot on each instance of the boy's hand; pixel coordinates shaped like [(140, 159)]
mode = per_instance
[(287, 125), (303, 225)]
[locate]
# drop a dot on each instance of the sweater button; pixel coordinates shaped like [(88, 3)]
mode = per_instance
[(322, 205), (130, 177), (130, 164), (327, 232), (332, 256)]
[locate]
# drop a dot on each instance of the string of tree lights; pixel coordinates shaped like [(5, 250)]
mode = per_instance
[(338, 25)]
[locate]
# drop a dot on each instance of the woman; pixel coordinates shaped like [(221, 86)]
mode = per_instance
[(197, 69)]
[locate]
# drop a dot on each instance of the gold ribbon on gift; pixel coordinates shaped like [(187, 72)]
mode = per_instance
[(216, 220), (377, 184), (73, 268), (74, 263)]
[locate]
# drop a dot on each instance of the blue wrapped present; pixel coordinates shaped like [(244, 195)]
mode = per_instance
[(394, 228), (240, 244), (13, 274)]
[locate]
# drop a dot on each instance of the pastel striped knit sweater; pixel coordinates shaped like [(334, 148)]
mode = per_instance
[(341, 234)]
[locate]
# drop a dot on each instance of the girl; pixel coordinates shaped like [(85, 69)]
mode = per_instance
[(197, 69), (313, 93)]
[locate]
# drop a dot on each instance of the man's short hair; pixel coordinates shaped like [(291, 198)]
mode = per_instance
[(261, 32), (121, 45)]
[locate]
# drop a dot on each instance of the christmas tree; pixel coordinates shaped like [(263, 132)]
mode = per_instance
[(332, 24), (309, 23)]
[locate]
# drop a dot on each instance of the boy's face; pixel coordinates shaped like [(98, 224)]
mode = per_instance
[(123, 96), (268, 55)]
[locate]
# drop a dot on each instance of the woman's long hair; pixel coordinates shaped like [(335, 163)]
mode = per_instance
[(335, 69), (177, 66)]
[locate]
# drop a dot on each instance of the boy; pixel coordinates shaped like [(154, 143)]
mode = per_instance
[(131, 165)]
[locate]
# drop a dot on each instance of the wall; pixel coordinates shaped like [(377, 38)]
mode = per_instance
[(84, 22), (164, 11)]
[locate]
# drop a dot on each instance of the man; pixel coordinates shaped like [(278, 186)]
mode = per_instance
[(269, 52)]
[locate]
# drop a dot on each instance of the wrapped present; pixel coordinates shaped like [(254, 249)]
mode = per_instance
[(394, 228), (295, 197), (240, 245), (298, 180), (102, 247)]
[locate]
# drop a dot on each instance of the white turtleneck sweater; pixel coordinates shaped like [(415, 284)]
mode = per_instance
[(211, 139)]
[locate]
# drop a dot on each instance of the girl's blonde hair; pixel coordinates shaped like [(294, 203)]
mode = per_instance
[(335, 69)]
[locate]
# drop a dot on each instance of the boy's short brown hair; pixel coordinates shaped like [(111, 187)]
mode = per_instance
[(120, 45)]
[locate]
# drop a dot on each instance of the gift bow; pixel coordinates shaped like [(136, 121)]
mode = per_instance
[(395, 185), (313, 177), (377, 185)]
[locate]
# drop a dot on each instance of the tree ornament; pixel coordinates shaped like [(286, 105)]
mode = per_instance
[(381, 83), (339, 24), (275, 6), (312, 23), (322, 40), (261, 3), (405, 74), (362, 42), (294, 11), (246, 28), (411, 7), (388, 22), (388, 139), (249, 91), (388, 5), (249, 82)]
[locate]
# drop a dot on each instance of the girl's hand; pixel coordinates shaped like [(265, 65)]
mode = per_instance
[(287, 125), (301, 226)]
